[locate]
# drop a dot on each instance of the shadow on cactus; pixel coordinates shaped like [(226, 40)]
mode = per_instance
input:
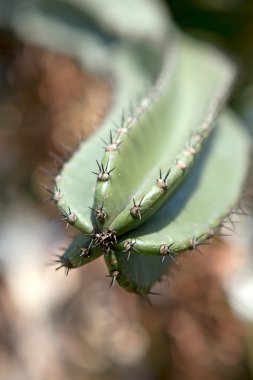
[(157, 178)]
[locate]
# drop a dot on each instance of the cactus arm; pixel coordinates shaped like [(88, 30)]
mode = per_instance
[(207, 196), (163, 130)]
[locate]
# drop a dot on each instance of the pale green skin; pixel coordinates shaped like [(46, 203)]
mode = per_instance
[(193, 212), (189, 85)]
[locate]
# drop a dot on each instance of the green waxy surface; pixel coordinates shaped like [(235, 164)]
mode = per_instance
[(137, 273), (210, 191)]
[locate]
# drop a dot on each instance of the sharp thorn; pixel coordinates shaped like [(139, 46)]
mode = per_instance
[(166, 175), (98, 165)]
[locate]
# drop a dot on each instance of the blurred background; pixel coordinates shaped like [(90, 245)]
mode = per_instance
[(53, 327)]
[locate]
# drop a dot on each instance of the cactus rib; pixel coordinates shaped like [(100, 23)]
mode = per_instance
[(203, 210)]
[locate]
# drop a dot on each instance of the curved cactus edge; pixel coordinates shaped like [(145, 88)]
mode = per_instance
[(89, 252), (225, 228)]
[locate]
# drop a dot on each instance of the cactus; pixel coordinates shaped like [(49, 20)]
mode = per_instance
[(168, 169)]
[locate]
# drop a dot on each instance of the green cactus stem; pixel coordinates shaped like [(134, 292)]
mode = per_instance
[(191, 216), (197, 209), (157, 178)]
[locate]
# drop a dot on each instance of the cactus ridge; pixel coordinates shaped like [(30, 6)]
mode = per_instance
[(149, 240)]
